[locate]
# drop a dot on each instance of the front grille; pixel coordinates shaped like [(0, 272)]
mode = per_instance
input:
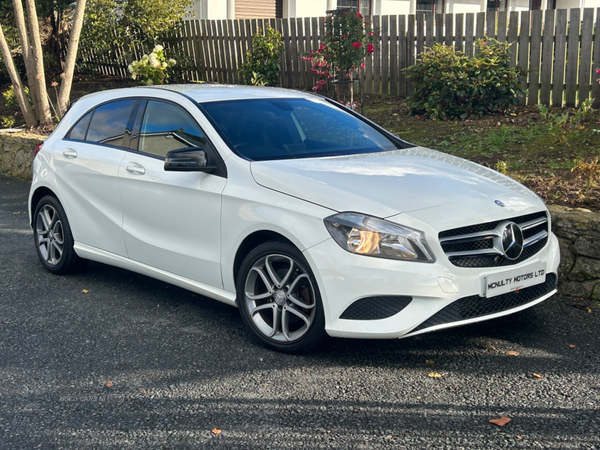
[(374, 308), (474, 245), (476, 306)]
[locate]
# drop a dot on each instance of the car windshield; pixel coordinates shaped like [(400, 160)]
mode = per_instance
[(269, 129)]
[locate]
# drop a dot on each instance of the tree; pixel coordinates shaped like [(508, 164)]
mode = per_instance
[(132, 22), (31, 49)]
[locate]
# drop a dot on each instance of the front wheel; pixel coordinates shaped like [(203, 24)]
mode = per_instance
[(279, 299), (53, 238)]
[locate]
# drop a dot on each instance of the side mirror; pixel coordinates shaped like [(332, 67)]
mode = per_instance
[(190, 159)]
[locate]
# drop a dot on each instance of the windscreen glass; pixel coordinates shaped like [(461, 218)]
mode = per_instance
[(293, 128)]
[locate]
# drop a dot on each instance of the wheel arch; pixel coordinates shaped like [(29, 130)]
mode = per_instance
[(37, 195), (252, 241)]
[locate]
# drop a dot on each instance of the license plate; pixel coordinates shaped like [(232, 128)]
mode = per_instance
[(512, 280)]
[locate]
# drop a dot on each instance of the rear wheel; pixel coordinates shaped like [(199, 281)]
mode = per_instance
[(53, 238), (279, 299)]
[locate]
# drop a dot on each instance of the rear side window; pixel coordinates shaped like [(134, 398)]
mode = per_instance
[(80, 128), (109, 123)]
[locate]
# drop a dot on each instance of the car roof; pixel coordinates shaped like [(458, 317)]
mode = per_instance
[(203, 93)]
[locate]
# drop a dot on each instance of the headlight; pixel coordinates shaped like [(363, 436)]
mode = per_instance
[(366, 235)]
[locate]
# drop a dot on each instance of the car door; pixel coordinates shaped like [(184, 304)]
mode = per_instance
[(171, 220), (87, 168)]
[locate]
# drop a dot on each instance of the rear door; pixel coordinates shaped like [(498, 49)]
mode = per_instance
[(87, 167)]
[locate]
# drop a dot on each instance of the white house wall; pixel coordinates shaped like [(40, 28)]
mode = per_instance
[(395, 7)]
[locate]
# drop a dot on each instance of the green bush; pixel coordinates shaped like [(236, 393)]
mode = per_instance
[(449, 85), (261, 65)]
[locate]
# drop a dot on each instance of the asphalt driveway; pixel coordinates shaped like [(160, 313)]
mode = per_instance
[(111, 359)]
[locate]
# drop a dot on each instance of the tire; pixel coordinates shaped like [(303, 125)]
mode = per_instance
[(279, 299), (53, 238)]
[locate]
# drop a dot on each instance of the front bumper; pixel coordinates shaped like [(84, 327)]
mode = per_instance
[(441, 295)]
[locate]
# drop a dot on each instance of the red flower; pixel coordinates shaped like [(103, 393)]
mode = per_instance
[(321, 83), (371, 33), (370, 48), (357, 45), (359, 15), (362, 66)]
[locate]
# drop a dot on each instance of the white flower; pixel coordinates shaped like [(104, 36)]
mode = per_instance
[(130, 68), (171, 62), (157, 49), (153, 60), (164, 65), (145, 58), (149, 82)]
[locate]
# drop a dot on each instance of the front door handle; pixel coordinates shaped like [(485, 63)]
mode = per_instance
[(69, 153), (135, 169)]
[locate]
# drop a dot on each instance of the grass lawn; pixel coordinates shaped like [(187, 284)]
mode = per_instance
[(517, 143)]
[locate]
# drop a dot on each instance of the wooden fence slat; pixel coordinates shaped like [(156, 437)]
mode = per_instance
[(308, 34), (502, 19), (215, 51), (369, 68), (524, 50), (238, 50), (534, 58), (559, 57), (490, 27), (288, 53), (300, 44), (410, 49), (439, 28), (449, 30), (420, 33), (572, 57), (595, 84), (198, 49), (513, 30), (385, 55), (321, 31), (377, 57), (480, 27), (393, 56), (294, 52), (205, 50), (586, 54), (458, 41), (469, 33), (547, 57), (402, 56), (221, 27), (227, 30), (429, 36)]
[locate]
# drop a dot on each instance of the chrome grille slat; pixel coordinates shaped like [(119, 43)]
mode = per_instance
[(479, 245)]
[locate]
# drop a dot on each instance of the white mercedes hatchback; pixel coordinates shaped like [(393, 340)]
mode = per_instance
[(309, 218)]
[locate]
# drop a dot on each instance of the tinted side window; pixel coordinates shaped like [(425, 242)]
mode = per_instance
[(109, 123), (167, 127), (80, 128)]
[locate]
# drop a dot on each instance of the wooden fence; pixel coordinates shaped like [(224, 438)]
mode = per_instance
[(540, 42)]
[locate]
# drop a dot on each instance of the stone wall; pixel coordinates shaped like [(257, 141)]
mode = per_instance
[(578, 230), (16, 153)]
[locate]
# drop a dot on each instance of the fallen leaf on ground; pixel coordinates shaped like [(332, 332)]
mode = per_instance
[(519, 437), (490, 348), (18, 212), (501, 421), (589, 309), (537, 375), (216, 431), (435, 375), (512, 353), (85, 291), (571, 345), (143, 391), (109, 384), (429, 362)]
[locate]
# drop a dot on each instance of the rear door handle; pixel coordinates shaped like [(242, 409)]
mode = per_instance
[(135, 169), (69, 153)]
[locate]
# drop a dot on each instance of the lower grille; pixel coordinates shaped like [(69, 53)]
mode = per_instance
[(476, 306), (375, 308)]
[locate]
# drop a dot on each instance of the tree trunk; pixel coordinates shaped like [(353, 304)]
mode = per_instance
[(22, 100), (42, 107), (67, 81), (26, 50)]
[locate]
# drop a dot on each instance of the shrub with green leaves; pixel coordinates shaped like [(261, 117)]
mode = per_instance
[(449, 85), (262, 63)]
